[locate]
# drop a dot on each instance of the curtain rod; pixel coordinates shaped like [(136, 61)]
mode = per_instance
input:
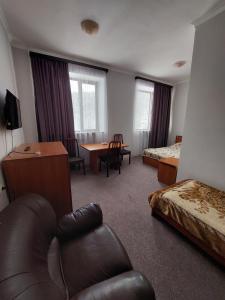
[(33, 54), (153, 81)]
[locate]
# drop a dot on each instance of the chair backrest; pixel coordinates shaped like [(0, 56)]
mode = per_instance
[(114, 149), (72, 147), (118, 137)]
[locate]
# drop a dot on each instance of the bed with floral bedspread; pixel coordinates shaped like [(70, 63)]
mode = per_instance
[(164, 152), (198, 209)]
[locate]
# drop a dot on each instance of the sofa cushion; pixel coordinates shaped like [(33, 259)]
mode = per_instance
[(93, 257), (127, 286)]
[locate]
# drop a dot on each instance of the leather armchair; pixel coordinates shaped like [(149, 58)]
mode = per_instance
[(79, 259)]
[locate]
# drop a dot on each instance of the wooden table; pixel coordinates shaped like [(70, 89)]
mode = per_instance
[(167, 170), (95, 150)]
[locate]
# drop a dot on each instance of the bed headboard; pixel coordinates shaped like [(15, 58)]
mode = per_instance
[(178, 139)]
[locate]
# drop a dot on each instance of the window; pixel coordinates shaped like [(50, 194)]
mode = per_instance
[(88, 89), (84, 96), (143, 105)]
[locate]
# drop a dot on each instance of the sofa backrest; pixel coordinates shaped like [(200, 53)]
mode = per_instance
[(28, 250)]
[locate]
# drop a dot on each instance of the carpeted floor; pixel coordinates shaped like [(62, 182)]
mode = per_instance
[(177, 269)]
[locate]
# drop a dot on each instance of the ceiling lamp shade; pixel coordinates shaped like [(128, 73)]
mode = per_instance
[(89, 26)]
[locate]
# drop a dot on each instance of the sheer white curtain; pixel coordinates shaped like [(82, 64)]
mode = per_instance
[(89, 96), (144, 91)]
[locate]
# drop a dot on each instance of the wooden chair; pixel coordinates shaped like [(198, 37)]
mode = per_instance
[(112, 159), (72, 147), (119, 137)]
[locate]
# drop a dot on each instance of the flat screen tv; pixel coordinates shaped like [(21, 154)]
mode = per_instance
[(12, 111)]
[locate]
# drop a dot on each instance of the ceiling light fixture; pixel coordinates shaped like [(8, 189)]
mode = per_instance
[(180, 63), (89, 26)]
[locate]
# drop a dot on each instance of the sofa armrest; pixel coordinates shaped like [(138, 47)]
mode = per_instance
[(130, 285), (80, 221)]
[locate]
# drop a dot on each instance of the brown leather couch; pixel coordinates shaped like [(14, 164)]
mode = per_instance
[(78, 259)]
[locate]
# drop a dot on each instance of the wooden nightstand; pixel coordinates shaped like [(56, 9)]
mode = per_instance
[(167, 170)]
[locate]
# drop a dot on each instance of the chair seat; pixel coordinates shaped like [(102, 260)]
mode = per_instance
[(124, 152), (97, 264), (75, 159)]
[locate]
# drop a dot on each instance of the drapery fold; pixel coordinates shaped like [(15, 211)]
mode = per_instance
[(53, 99), (160, 116)]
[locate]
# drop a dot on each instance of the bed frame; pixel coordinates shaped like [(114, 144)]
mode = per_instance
[(155, 162), (178, 139), (218, 258), (150, 161)]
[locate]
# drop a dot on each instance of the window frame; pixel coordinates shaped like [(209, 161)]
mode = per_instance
[(80, 99), (151, 94)]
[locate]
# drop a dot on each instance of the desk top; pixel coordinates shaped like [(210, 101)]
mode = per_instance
[(171, 161), (44, 149), (98, 147)]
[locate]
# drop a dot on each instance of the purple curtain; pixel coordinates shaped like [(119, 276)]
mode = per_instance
[(160, 116), (53, 99)]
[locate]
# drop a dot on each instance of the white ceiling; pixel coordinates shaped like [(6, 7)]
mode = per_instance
[(143, 36)]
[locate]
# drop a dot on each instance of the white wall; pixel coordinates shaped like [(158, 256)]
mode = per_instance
[(26, 93), (178, 110), (203, 149), (7, 81), (121, 89)]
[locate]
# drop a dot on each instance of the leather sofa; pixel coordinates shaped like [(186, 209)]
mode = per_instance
[(79, 259)]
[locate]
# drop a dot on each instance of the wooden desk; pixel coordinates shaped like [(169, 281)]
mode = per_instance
[(43, 169), (95, 150), (167, 170)]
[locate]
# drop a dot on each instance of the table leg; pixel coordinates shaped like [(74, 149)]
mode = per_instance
[(94, 161), (94, 166)]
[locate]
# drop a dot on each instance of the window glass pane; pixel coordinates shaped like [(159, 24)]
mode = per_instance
[(89, 106), (76, 104), (143, 110)]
